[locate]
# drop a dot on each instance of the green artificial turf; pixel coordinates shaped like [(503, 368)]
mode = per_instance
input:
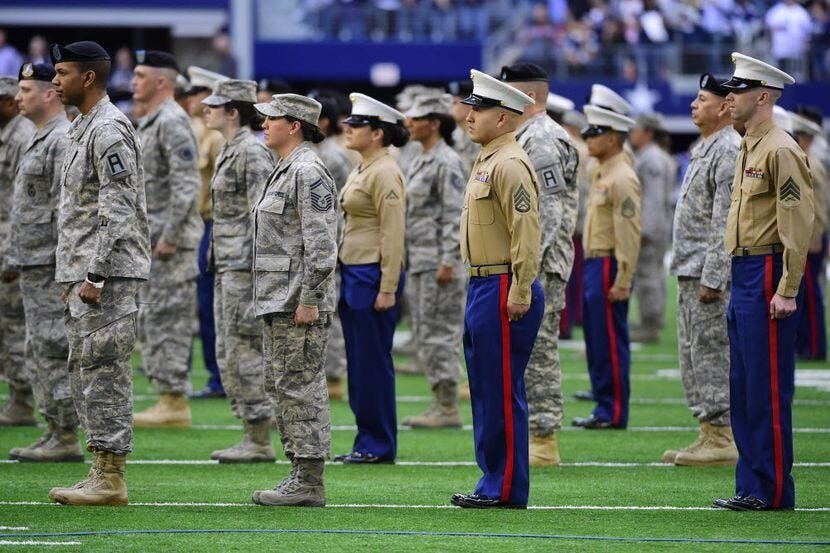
[(187, 507)]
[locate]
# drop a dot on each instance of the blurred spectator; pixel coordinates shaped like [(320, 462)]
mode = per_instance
[(222, 49), (10, 59), (790, 29), (820, 62), (121, 77), (540, 38), (39, 50)]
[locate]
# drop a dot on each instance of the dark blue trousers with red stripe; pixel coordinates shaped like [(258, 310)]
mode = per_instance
[(371, 375), (497, 351), (811, 339), (761, 381), (607, 345)]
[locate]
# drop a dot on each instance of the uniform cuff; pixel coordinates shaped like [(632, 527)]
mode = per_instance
[(713, 283), (311, 298), (519, 295), (786, 289), (102, 268)]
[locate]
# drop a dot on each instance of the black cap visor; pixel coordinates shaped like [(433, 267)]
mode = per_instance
[(738, 85), (594, 130), (486, 103), (357, 120)]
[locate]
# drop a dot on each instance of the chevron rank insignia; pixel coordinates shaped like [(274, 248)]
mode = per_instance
[(790, 193), (322, 199), (521, 200), (392, 195), (629, 209)]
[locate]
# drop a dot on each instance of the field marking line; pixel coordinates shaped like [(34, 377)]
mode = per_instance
[(416, 507), (38, 542), (16, 528)]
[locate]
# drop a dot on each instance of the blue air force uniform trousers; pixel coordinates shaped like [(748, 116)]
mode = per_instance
[(500, 243), (767, 233)]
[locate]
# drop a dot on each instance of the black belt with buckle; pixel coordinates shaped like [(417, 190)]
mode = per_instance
[(744, 251), (488, 270)]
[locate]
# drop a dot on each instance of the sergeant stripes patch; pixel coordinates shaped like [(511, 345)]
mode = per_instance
[(790, 192)]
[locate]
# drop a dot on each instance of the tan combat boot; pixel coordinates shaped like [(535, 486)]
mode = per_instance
[(443, 412), (105, 487), (544, 451), (62, 446), (670, 454), (336, 388), (718, 449), (305, 490), (50, 427), (19, 410), (646, 334), (171, 411), (255, 446)]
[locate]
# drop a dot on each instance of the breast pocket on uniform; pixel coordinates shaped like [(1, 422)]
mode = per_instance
[(481, 204), (753, 186), (272, 204)]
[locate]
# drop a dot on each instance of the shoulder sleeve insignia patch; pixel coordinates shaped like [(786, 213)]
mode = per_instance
[(322, 199), (628, 209), (521, 200), (115, 163), (186, 154), (790, 193)]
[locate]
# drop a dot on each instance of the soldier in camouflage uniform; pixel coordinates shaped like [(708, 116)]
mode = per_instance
[(436, 287), (555, 160), (32, 252), (168, 302), (242, 168), (295, 253), (103, 254), (15, 133), (336, 159), (702, 268), (657, 172)]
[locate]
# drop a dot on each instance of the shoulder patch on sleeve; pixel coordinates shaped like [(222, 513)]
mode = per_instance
[(185, 153), (629, 208), (116, 164), (322, 199), (790, 193), (550, 179), (521, 199), (392, 195)]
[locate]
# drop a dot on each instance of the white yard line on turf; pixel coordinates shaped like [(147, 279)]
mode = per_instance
[(399, 506), (37, 542), (16, 528)]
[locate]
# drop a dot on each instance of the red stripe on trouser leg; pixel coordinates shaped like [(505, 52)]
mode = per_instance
[(507, 388), (811, 309), (612, 340), (773, 378)]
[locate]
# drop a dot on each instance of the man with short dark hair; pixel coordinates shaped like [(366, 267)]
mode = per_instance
[(103, 254)]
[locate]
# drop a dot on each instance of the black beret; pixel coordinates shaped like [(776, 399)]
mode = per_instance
[(812, 113), (523, 72), (460, 88), (156, 58), (36, 72), (713, 85), (86, 50), (274, 86)]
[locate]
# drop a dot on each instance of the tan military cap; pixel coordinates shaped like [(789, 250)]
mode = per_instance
[(292, 105), (430, 103), (8, 86), (231, 90), (650, 121)]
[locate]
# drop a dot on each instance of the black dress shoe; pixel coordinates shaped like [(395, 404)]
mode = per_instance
[(584, 395), (208, 393), (474, 501), (738, 503), (592, 423), (358, 458)]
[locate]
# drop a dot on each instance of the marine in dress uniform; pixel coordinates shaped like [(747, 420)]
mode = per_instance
[(372, 278), (102, 257), (702, 269), (612, 243), (500, 244), (32, 245), (768, 233), (811, 338)]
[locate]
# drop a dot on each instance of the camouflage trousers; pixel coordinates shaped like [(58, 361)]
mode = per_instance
[(101, 340), (437, 318), (543, 376), (13, 338), (336, 350), (296, 382), (239, 345), (703, 345), (48, 345), (650, 284), (165, 321)]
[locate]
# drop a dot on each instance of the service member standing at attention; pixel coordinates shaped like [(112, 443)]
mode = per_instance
[(435, 287), (242, 168), (657, 173), (34, 221), (15, 133), (372, 278), (102, 256), (295, 253), (555, 159), (168, 301), (500, 241), (702, 269), (768, 234), (612, 243)]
